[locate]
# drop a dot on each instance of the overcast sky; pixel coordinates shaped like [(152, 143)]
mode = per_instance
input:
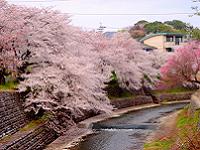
[(114, 22)]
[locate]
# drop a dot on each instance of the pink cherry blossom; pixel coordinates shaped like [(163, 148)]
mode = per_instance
[(68, 67), (183, 67)]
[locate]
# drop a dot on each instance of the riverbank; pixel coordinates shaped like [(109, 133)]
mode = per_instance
[(178, 131), (161, 138), (77, 133)]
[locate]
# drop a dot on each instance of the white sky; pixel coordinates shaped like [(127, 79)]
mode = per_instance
[(117, 7)]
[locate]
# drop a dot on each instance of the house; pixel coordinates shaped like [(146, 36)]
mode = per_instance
[(164, 41)]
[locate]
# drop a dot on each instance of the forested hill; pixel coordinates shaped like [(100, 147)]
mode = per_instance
[(142, 28)]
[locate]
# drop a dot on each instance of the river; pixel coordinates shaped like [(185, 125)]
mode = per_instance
[(128, 131)]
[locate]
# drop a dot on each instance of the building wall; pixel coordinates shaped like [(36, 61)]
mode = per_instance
[(160, 42), (156, 41)]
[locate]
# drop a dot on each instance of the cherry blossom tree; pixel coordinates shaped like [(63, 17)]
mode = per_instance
[(61, 73), (11, 37), (183, 67), (65, 68)]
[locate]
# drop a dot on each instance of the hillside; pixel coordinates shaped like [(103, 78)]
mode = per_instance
[(142, 28)]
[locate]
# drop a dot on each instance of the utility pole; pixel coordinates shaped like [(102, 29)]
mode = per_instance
[(101, 28)]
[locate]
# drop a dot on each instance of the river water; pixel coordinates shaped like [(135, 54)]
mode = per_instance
[(128, 131)]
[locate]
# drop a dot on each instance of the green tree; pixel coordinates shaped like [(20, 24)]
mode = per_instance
[(195, 33), (156, 26), (141, 23), (177, 24)]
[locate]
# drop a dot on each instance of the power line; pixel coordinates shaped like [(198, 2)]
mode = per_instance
[(131, 14), (43, 1)]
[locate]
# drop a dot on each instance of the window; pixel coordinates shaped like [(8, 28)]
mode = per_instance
[(181, 39), (148, 49), (169, 49), (169, 38), (178, 40)]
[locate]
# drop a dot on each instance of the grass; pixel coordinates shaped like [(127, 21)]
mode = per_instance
[(173, 90), (35, 123), (183, 120), (189, 133), (164, 144), (8, 86)]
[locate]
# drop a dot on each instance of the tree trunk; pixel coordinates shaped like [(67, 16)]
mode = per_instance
[(148, 92), (2, 78)]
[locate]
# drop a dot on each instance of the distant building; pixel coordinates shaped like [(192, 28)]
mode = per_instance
[(109, 34), (101, 28), (164, 41)]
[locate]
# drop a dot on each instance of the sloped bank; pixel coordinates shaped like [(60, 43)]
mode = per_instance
[(11, 113), (32, 139), (16, 130)]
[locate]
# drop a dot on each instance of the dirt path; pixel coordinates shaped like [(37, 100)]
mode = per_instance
[(166, 129)]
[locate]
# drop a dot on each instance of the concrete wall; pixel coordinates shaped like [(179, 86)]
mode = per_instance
[(160, 42), (11, 113)]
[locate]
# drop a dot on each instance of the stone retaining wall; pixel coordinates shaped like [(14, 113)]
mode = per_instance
[(127, 102), (35, 139), (140, 100), (12, 116), (174, 97)]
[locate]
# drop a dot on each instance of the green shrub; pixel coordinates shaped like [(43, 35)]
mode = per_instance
[(114, 90)]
